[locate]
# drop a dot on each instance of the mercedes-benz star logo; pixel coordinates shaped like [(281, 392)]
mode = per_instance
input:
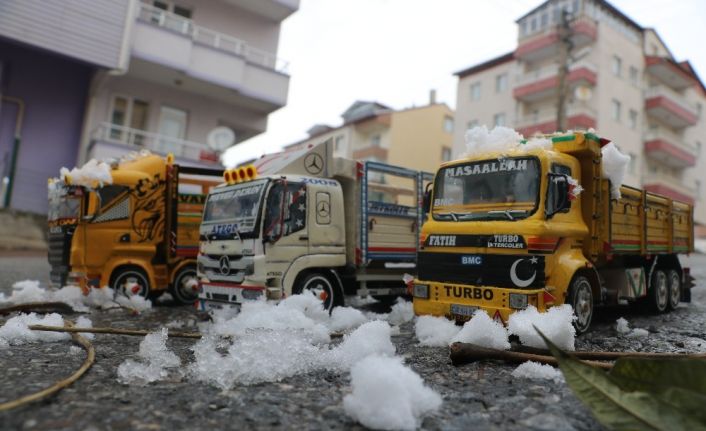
[(322, 209), (314, 163), (224, 265)]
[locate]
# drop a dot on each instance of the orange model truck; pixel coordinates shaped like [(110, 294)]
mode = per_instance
[(132, 224)]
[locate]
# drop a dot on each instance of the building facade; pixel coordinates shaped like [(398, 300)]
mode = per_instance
[(621, 80), (115, 76), (416, 138)]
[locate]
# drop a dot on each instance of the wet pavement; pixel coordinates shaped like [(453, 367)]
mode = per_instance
[(476, 396)]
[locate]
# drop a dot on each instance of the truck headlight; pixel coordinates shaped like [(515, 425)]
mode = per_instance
[(518, 301), (421, 291)]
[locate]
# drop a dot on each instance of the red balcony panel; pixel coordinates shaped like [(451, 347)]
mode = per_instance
[(670, 111), (584, 31), (675, 155), (580, 74), (579, 121), (669, 72), (665, 190)]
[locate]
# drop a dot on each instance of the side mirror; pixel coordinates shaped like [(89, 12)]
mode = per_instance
[(557, 194), (426, 200), (92, 205)]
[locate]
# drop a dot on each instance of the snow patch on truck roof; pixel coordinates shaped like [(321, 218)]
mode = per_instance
[(92, 174)]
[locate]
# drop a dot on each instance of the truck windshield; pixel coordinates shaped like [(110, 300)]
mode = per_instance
[(64, 205), (233, 210), (495, 189)]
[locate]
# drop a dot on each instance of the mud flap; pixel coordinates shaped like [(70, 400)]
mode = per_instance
[(688, 282)]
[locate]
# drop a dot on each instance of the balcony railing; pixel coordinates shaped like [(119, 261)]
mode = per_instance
[(671, 182), (137, 139), (674, 139), (550, 72), (668, 93), (549, 115), (212, 38)]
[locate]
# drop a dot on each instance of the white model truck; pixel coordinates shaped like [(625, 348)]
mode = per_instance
[(306, 220)]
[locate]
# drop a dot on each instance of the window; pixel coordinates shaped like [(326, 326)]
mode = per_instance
[(698, 190), (617, 65), (448, 124), (632, 167), (698, 148), (127, 112), (338, 143), (501, 83), (499, 119), (475, 91), (171, 7), (282, 220), (552, 200), (633, 119), (615, 110), (172, 129), (445, 154), (113, 203), (634, 75), (544, 20), (471, 124), (375, 141)]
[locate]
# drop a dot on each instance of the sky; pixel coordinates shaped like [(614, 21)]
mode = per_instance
[(396, 51)]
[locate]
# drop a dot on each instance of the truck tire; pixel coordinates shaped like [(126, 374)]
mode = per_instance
[(674, 281), (133, 278), (322, 286), (580, 297), (182, 289), (658, 292)]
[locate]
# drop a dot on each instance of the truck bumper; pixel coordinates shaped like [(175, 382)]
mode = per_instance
[(219, 294), (459, 302)]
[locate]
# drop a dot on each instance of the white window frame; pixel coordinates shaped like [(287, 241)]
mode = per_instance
[(616, 66), (475, 91), (448, 124), (499, 116), (633, 118), (128, 114), (501, 83), (616, 107)]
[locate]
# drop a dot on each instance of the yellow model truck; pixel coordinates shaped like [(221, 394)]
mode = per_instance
[(138, 231), (505, 231)]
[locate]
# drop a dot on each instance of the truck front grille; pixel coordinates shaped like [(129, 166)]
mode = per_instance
[(510, 271), (59, 254)]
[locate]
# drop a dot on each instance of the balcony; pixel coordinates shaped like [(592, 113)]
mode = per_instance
[(670, 107), (669, 72), (544, 44), (114, 141), (579, 117), (172, 50), (543, 83), (670, 149), (275, 10), (670, 187)]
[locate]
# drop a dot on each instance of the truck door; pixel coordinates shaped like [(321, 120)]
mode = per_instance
[(107, 224), (285, 226)]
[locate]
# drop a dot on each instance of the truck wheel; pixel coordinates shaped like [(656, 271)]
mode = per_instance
[(130, 280), (658, 293), (674, 289), (580, 297), (184, 289), (322, 287)]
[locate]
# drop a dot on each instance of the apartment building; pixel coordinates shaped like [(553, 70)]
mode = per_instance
[(622, 81), (101, 78), (417, 138)]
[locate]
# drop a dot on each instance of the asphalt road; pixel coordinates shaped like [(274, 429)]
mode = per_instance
[(476, 396)]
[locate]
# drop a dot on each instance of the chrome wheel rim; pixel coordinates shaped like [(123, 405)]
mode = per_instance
[(661, 290), (674, 289), (583, 305)]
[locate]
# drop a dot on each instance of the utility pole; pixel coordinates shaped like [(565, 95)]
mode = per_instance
[(565, 46)]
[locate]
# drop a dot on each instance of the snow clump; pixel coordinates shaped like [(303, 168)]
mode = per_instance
[(388, 395), (92, 174), (16, 330), (500, 139), (615, 165), (535, 370), (156, 359), (401, 312), (555, 324), (638, 333), (27, 291), (483, 331), (372, 338), (622, 326), (85, 322), (435, 331)]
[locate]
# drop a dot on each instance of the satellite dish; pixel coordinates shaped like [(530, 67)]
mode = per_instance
[(221, 138), (583, 93)]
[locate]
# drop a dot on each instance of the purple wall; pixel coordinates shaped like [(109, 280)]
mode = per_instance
[(54, 92)]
